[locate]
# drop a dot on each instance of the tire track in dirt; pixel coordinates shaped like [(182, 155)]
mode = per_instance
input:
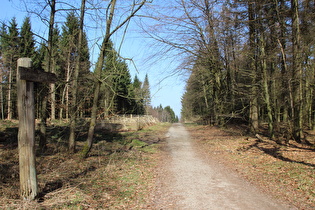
[(190, 182)]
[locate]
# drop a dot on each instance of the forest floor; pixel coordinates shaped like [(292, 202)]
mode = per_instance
[(127, 170), (118, 174)]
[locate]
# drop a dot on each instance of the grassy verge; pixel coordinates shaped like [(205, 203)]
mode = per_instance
[(285, 171), (118, 174)]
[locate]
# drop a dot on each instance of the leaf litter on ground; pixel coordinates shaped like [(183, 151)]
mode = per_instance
[(285, 171), (118, 174)]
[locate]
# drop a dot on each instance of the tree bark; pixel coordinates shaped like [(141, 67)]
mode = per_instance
[(297, 115), (266, 86), (254, 89), (73, 110), (53, 101), (99, 66), (9, 116), (42, 136), (67, 85), (1, 98), (97, 73)]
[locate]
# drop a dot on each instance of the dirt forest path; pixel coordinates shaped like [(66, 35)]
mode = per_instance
[(189, 181)]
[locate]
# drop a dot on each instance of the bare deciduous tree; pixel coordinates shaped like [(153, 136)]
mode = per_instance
[(109, 31)]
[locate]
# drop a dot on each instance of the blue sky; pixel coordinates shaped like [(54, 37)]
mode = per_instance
[(166, 87)]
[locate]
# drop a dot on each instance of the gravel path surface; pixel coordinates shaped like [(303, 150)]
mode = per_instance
[(189, 181)]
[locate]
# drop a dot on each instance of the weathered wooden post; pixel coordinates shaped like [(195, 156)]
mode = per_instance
[(26, 135)]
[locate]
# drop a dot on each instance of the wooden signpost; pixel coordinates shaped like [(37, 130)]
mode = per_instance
[(26, 76)]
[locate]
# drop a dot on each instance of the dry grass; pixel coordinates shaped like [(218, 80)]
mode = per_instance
[(118, 174)]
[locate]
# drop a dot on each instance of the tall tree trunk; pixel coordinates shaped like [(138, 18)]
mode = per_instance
[(73, 110), (53, 92), (67, 87), (1, 98), (99, 67), (266, 86), (9, 114), (215, 67), (218, 104), (229, 51), (62, 93), (204, 90), (253, 115), (309, 97), (53, 100), (283, 61), (98, 71), (297, 115), (43, 137)]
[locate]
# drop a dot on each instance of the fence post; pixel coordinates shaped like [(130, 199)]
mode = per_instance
[(26, 134)]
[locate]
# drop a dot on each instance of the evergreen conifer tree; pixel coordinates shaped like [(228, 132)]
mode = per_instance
[(27, 44), (117, 90), (3, 69), (69, 48), (146, 93), (139, 106), (11, 54)]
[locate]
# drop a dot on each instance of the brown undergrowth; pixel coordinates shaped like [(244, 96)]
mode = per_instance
[(285, 171), (118, 174)]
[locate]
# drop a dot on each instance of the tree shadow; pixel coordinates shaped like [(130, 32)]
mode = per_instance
[(57, 184), (102, 135), (8, 172), (58, 138), (302, 148), (9, 138), (57, 144), (274, 150)]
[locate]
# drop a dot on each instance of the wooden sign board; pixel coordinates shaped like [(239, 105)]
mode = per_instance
[(34, 75)]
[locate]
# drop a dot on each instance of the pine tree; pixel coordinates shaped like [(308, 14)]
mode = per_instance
[(172, 116), (139, 106), (69, 39), (3, 69), (124, 89), (11, 54), (39, 58), (69, 50), (146, 93), (27, 47), (108, 86), (117, 91)]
